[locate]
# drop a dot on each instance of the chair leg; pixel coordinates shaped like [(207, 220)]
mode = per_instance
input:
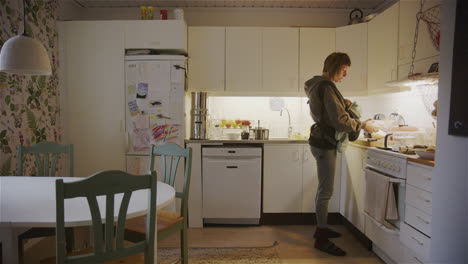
[(184, 246), (70, 239)]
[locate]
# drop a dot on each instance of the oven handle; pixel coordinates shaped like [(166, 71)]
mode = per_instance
[(380, 225), (394, 180)]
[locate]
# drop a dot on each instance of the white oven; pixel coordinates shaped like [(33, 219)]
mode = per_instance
[(385, 237)]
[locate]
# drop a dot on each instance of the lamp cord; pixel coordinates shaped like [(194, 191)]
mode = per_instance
[(24, 20), (415, 42)]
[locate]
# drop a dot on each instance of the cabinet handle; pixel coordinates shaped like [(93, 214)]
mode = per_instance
[(422, 220), (419, 242), (424, 199), (231, 167), (305, 155)]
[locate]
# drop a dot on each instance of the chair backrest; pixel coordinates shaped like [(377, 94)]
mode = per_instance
[(46, 155), (171, 154), (107, 183)]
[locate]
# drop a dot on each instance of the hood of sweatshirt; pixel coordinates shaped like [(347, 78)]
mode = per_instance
[(310, 84)]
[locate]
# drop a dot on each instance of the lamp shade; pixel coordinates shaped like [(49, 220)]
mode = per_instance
[(24, 55)]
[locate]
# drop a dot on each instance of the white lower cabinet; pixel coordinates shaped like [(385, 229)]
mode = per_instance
[(290, 180), (353, 186), (415, 232)]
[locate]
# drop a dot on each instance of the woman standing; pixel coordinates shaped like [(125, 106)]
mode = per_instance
[(329, 112)]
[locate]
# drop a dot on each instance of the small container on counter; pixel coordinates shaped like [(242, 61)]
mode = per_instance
[(163, 14)]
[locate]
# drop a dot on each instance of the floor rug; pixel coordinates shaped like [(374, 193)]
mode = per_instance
[(223, 255)]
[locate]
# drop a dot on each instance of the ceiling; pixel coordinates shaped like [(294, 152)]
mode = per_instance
[(365, 5)]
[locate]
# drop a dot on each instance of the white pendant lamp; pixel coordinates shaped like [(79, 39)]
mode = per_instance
[(24, 55)]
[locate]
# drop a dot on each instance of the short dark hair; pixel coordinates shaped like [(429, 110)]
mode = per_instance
[(334, 61)]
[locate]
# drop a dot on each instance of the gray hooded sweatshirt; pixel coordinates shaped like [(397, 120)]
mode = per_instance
[(328, 110)]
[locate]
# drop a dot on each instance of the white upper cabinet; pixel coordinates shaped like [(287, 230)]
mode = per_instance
[(156, 34), (206, 63), (315, 45), (424, 48), (382, 50), (243, 59), (280, 56), (352, 40)]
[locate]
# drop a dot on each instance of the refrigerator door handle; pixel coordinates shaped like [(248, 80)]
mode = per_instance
[(127, 141)]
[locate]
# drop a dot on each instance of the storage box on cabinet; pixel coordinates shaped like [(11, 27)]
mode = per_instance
[(156, 34)]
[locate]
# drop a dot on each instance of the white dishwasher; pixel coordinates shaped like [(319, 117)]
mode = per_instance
[(232, 184)]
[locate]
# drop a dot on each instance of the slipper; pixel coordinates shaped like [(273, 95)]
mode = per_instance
[(330, 248), (327, 232)]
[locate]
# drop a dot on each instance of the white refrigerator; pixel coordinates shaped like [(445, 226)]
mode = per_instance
[(154, 94)]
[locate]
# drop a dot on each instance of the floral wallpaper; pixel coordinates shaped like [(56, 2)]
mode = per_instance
[(29, 105)]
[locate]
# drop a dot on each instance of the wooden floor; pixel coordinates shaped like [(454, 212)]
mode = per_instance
[(295, 243)]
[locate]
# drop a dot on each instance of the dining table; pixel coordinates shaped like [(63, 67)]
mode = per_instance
[(27, 202)]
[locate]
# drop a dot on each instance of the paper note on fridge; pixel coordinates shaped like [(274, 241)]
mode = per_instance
[(166, 133), (141, 139), (141, 122), (133, 107), (142, 90)]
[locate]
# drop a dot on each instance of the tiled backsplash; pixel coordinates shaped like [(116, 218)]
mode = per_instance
[(410, 104)]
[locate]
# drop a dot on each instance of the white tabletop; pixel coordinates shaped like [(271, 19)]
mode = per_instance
[(30, 202)]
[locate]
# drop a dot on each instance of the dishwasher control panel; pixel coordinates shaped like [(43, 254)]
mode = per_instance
[(231, 152)]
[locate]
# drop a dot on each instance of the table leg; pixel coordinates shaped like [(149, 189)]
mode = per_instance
[(9, 240)]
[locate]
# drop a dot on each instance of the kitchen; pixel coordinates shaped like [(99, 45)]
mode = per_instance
[(409, 103)]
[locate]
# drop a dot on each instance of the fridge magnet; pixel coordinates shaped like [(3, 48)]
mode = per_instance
[(133, 107), (141, 122), (155, 103), (165, 133), (131, 89), (141, 139), (142, 90)]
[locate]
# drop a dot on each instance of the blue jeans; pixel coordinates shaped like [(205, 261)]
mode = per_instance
[(326, 163)]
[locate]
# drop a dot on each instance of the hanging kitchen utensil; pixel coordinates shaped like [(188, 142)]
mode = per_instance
[(355, 17)]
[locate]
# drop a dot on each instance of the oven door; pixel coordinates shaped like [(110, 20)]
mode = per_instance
[(384, 238)]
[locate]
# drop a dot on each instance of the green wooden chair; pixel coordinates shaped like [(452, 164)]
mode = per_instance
[(108, 241), (168, 222), (46, 155)]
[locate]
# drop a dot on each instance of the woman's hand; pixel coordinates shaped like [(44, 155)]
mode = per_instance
[(368, 127)]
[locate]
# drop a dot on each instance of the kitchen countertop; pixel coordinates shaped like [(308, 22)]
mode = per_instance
[(411, 158), (247, 141), (429, 163)]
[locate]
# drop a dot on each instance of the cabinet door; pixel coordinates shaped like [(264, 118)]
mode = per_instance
[(280, 56), (92, 56), (353, 41), (309, 180), (315, 45), (156, 34), (243, 59), (206, 48), (282, 178), (382, 50), (353, 186), (407, 25)]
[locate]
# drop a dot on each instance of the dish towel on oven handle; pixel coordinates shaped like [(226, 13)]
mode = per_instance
[(380, 202)]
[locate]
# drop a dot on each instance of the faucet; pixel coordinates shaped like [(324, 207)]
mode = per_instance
[(289, 121)]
